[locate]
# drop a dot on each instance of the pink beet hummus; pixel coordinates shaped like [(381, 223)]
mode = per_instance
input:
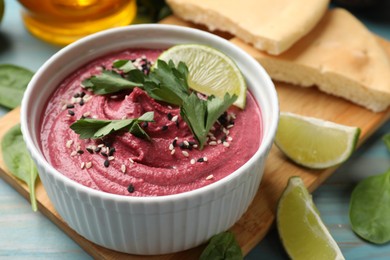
[(123, 164)]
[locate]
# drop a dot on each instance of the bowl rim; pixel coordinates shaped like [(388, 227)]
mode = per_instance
[(263, 149)]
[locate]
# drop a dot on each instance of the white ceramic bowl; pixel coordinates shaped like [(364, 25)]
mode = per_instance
[(148, 225)]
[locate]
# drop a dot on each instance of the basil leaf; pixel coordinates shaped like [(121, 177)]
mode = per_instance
[(108, 82), (18, 160), (13, 83), (95, 128), (386, 139), (370, 208), (222, 246)]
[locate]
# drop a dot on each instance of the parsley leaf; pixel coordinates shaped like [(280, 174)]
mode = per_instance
[(95, 128), (108, 82), (201, 115)]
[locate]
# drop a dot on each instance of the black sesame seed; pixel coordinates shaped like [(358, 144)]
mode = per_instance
[(144, 124), (177, 123), (182, 145), (71, 112), (90, 150), (111, 152), (104, 154), (82, 94), (174, 143), (80, 151), (69, 106), (76, 95), (169, 115), (106, 163), (131, 188), (192, 143), (97, 149), (164, 127), (223, 139), (81, 103), (200, 159)]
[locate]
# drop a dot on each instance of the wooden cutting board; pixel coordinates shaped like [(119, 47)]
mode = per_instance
[(255, 223)]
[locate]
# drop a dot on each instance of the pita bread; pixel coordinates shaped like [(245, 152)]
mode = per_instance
[(340, 56), (271, 26)]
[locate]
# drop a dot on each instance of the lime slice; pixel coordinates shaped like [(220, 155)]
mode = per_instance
[(313, 142), (210, 71), (303, 234)]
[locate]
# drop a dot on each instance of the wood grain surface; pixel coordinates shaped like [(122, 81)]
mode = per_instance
[(255, 223)]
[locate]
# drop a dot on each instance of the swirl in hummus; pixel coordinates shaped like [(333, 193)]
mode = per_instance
[(123, 164)]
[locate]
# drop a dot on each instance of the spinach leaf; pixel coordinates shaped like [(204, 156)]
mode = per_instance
[(386, 139), (13, 82), (222, 246), (370, 208), (18, 160)]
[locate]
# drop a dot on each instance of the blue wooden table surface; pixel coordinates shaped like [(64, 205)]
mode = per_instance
[(28, 235)]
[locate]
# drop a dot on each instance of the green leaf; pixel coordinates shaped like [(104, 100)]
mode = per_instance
[(18, 160), (222, 246), (386, 139), (13, 83), (124, 65), (370, 208), (108, 82), (201, 115), (95, 128)]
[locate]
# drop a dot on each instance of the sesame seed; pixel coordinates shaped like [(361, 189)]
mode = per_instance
[(170, 107), (69, 106), (213, 138), (82, 165), (88, 165), (205, 159), (100, 145), (74, 153), (186, 143), (112, 151), (63, 107), (210, 177), (226, 144), (213, 143), (130, 188), (192, 161), (123, 168), (195, 146), (104, 154), (173, 152), (97, 149), (89, 149), (185, 153), (131, 160), (169, 116), (110, 158), (80, 151), (76, 95), (229, 126), (106, 163), (164, 127), (87, 114), (82, 94), (230, 138), (219, 142), (69, 143), (81, 103), (174, 142), (71, 112), (200, 159), (87, 98), (225, 131), (174, 119), (171, 147)]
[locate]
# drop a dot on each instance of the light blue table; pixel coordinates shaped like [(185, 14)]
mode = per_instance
[(28, 235)]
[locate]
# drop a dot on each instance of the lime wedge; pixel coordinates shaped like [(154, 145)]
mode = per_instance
[(211, 72), (315, 143), (303, 234)]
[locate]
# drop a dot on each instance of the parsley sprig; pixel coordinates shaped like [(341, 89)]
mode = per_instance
[(167, 83), (95, 128)]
